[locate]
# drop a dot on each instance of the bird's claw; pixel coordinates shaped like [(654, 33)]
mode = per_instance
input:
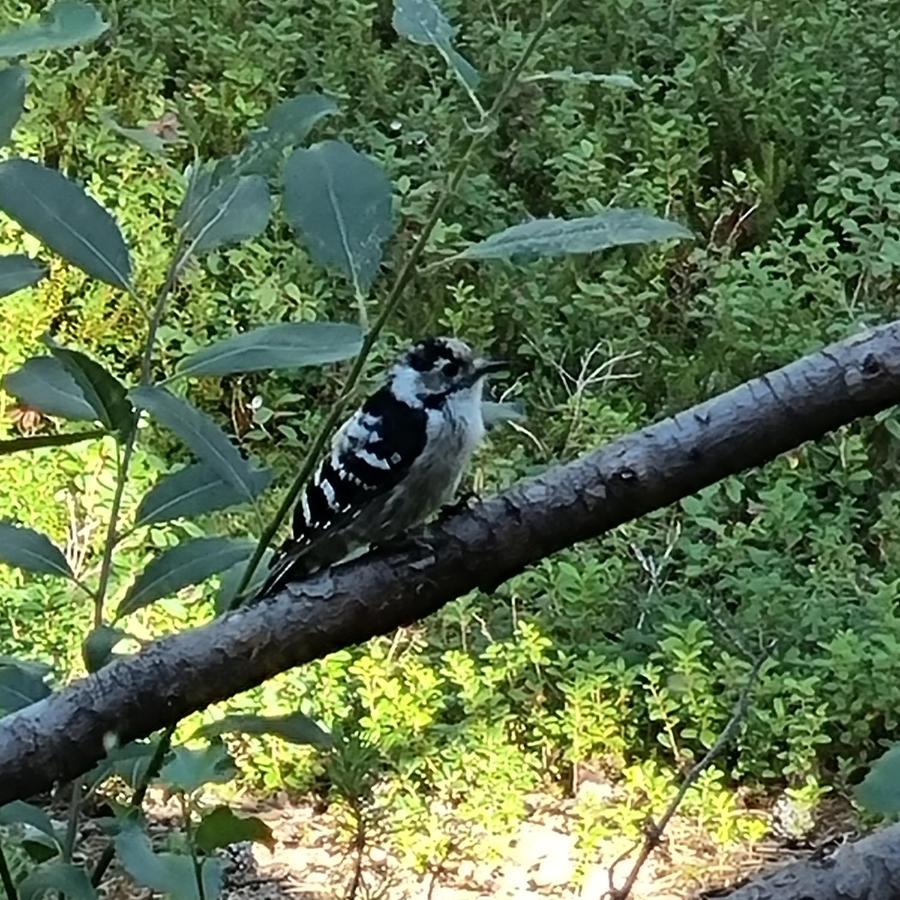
[(465, 501)]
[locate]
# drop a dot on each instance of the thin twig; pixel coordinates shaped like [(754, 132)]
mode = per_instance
[(391, 302), (653, 831), (9, 886)]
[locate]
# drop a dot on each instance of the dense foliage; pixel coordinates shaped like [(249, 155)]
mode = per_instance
[(771, 130)]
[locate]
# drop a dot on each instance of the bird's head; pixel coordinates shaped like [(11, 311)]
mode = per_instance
[(440, 368)]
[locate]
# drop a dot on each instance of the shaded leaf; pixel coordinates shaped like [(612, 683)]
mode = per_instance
[(230, 579), (59, 213), (105, 394), (32, 551), (26, 813), (18, 271), (97, 649), (619, 80), (66, 24), (130, 762), (879, 791), (187, 563), (189, 769), (16, 445), (12, 100), (171, 874), (38, 847), (19, 688), (61, 877), (550, 237), (43, 383), (423, 22), (222, 827), (289, 345), (238, 209), (296, 727), (339, 203), (204, 438), (35, 667), (194, 490)]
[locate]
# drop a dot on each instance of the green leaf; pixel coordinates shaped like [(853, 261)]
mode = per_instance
[(204, 438), (551, 237), (20, 687), (66, 24), (222, 827), (16, 445), (130, 762), (192, 491), (189, 770), (58, 877), (339, 203), (190, 562), (619, 80), (289, 345), (105, 394), (171, 874), (296, 727), (879, 791), (38, 847), (423, 22), (97, 649), (230, 579), (143, 137), (238, 209), (495, 413), (18, 271), (32, 551), (44, 384), (12, 100), (59, 213), (27, 814)]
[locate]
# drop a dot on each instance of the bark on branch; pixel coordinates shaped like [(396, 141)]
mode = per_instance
[(63, 735)]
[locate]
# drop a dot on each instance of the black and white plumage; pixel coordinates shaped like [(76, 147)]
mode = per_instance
[(393, 463)]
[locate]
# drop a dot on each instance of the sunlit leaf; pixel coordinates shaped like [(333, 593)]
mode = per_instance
[(192, 491), (17, 445), (187, 563), (618, 80), (61, 877), (296, 727), (98, 646), (32, 551), (58, 212), (237, 210), (190, 769), (222, 827), (12, 100), (339, 203), (18, 271), (105, 394), (588, 234), (204, 438), (423, 22), (289, 345), (20, 687), (43, 383), (879, 791), (66, 24)]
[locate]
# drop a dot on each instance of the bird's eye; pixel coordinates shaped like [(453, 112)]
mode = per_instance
[(451, 369)]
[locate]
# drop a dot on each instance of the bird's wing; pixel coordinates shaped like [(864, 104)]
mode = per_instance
[(370, 455)]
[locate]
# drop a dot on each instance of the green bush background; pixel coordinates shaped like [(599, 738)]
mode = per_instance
[(772, 129)]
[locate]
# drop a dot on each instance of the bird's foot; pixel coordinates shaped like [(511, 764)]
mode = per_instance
[(465, 501)]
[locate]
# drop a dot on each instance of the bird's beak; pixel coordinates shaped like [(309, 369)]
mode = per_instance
[(489, 366)]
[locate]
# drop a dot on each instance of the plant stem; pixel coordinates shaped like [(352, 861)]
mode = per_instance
[(392, 301), (72, 824), (6, 880), (189, 834)]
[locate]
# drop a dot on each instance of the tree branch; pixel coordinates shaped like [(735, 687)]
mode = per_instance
[(63, 735)]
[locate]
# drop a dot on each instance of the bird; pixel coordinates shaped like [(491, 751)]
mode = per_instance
[(397, 460)]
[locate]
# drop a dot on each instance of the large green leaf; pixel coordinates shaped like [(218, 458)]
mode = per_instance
[(238, 209), (105, 394), (171, 874), (60, 877), (289, 345), (20, 687), (43, 383), (130, 762), (423, 22), (12, 100), (27, 814), (192, 491), (205, 439), (190, 562), (67, 23), (98, 646), (339, 202), (552, 237), (188, 770), (59, 213), (231, 579), (18, 271), (16, 445), (296, 727), (32, 551), (879, 791), (222, 827)]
